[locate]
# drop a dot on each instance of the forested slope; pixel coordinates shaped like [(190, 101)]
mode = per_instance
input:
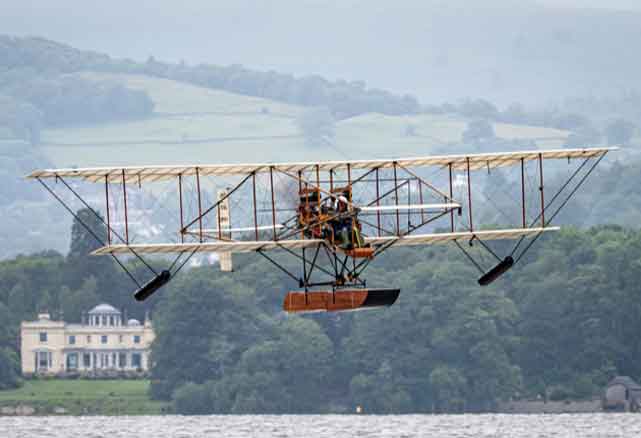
[(559, 324)]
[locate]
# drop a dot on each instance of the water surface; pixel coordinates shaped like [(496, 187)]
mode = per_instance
[(397, 426)]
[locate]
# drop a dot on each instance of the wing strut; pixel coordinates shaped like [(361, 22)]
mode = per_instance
[(144, 291), (505, 264), (86, 227)]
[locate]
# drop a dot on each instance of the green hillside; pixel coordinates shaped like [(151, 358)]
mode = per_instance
[(196, 124)]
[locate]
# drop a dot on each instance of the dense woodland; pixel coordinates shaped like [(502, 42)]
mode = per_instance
[(558, 325)]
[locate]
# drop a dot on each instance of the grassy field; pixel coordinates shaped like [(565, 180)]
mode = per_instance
[(100, 397), (198, 125)]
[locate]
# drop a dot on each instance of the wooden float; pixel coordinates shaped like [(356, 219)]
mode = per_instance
[(339, 301)]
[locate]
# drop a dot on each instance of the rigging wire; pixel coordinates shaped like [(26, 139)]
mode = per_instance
[(104, 223), (567, 199), (89, 230), (558, 193)]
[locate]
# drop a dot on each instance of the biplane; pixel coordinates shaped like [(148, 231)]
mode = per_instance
[(332, 217)]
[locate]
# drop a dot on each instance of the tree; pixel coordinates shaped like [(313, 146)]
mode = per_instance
[(9, 369), (88, 233), (478, 108), (192, 399), (73, 303), (203, 326), (478, 130), (449, 386), (317, 126)]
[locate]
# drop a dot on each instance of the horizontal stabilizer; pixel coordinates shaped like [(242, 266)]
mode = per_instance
[(152, 286), (494, 273)]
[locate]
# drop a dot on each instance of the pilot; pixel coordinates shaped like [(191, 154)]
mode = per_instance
[(343, 224), (342, 204)]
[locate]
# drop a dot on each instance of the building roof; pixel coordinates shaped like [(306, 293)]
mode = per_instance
[(625, 381), (104, 308)]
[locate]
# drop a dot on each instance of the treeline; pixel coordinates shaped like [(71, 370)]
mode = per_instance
[(343, 98), (559, 325), (585, 118), (33, 97), (613, 120)]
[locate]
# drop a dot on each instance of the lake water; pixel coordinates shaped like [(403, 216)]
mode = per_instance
[(397, 426)]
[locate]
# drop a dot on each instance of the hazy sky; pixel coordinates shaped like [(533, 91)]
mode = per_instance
[(596, 4), (436, 49)]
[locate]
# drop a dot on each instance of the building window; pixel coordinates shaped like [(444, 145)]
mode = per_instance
[(72, 340), (112, 322), (104, 319), (136, 361), (122, 360), (103, 339), (88, 339), (72, 361), (120, 338), (43, 336), (136, 339), (43, 361), (86, 360)]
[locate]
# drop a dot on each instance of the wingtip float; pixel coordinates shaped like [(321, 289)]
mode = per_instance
[(494, 273), (152, 286)]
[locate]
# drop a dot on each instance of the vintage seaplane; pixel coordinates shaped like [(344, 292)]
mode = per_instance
[(335, 217)]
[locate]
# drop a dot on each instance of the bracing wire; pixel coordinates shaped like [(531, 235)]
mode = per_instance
[(104, 223), (89, 230)]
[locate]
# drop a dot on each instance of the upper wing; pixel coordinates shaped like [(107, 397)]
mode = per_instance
[(410, 240), (458, 162)]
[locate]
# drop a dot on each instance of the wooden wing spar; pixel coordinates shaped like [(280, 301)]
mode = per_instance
[(334, 217)]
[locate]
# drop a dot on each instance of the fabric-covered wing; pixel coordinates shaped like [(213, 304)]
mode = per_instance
[(435, 238), (232, 247), (458, 162)]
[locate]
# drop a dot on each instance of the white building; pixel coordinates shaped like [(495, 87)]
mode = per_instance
[(103, 342)]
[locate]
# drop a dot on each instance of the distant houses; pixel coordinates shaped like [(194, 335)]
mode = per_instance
[(622, 394), (103, 344)]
